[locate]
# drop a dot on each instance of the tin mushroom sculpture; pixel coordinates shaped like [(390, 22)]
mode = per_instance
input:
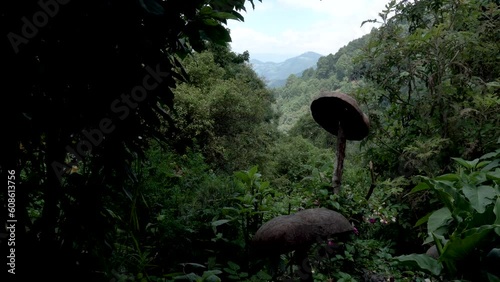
[(297, 232), (340, 115)]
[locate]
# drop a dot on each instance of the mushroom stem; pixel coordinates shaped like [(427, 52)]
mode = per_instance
[(337, 176), (304, 267)]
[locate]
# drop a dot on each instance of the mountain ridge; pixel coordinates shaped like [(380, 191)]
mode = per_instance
[(275, 74)]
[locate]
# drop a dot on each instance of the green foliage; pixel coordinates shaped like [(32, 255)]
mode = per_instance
[(466, 229), (364, 255), (329, 66), (334, 72), (255, 200), (420, 59), (90, 88), (307, 128), (224, 110), (233, 271), (422, 261)]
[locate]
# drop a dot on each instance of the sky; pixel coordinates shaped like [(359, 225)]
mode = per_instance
[(280, 29)]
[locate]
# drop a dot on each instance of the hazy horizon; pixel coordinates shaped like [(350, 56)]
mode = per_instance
[(280, 29), (276, 58)]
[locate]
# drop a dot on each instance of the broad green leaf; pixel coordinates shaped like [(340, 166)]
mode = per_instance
[(230, 271), (460, 245), (335, 204), (467, 164), (253, 170), (233, 265), (420, 187), (220, 222), (242, 176), (152, 7), (238, 16), (437, 224), (423, 261), (211, 278), (206, 10), (264, 276), (404, 74), (482, 164), (438, 221), (496, 210), (479, 196), (446, 192), (488, 155), (423, 219), (476, 178), (491, 165), (264, 185), (493, 175), (448, 177), (492, 278), (210, 22), (225, 16)]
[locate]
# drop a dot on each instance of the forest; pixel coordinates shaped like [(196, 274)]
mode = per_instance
[(139, 147)]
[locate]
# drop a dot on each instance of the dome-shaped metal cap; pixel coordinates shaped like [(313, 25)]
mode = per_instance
[(333, 108), (289, 232)]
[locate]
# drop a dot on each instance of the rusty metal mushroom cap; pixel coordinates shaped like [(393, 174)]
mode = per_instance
[(331, 222), (332, 108), (285, 233), (281, 234)]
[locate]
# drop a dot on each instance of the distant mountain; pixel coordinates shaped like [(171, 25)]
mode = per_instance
[(275, 74)]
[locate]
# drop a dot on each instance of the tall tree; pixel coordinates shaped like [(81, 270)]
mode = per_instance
[(223, 109)]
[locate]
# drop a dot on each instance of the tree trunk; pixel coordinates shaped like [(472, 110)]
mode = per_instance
[(302, 261), (337, 176)]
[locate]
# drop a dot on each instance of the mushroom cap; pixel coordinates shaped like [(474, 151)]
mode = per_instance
[(333, 108), (331, 222), (285, 233), (281, 234)]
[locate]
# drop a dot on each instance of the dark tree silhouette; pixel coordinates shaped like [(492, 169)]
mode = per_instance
[(87, 84)]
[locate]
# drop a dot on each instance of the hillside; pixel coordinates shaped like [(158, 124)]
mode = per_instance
[(333, 72), (275, 74)]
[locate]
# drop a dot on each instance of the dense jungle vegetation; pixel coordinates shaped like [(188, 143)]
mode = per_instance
[(144, 149)]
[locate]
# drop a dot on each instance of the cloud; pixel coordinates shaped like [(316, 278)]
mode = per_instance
[(249, 39), (343, 9), (292, 27), (262, 6)]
